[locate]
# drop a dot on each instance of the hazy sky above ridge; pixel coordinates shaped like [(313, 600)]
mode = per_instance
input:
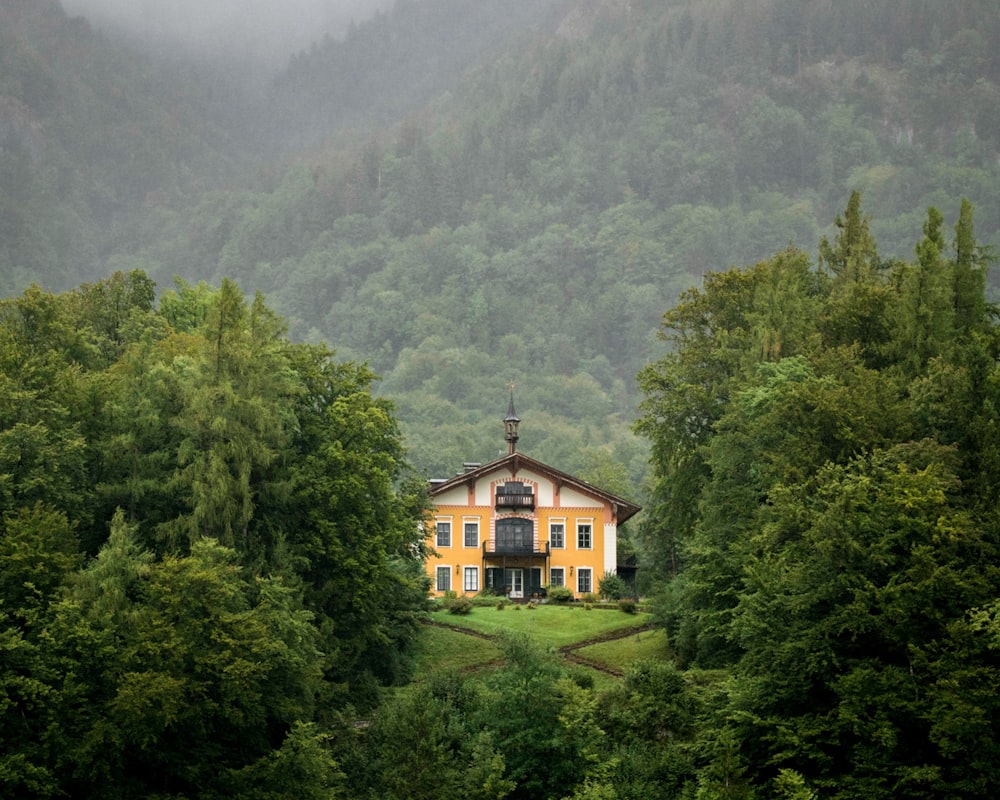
[(268, 30)]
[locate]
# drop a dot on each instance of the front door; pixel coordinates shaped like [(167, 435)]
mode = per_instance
[(517, 583)]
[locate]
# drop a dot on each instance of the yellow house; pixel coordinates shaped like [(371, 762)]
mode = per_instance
[(516, 526)]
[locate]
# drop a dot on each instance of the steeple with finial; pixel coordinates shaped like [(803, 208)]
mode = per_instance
[(510, 423)]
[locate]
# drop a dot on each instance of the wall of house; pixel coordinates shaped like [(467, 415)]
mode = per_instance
[(584, 520)]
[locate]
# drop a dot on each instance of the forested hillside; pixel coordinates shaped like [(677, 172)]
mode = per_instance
[(210, 505), (825, 440), (210, 546), (532, 222), (91, 134)]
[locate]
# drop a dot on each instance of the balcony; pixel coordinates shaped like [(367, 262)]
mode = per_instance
[(516, 495), (515, 546)]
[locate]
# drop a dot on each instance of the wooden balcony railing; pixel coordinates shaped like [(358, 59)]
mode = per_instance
[(515, 546), (525, 500)]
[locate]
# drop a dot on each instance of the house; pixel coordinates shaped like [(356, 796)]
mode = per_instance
[(516, 526)]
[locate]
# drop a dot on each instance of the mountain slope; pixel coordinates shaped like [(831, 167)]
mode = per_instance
[(391, 65), (89, 133), (534, 221)]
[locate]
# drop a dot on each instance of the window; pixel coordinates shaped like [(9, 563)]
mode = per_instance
[(495, 579), (583, 582), (557, 576), (515, 535), (472, 534), (557, 534), (470, 579), (443, 534), (443, 579), (584, 538)]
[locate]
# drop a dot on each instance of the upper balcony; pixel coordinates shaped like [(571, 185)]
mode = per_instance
[(515, 546), (516, 495)]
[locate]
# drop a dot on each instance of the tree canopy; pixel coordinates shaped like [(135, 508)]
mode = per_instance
[(210, 545), (829, 532)]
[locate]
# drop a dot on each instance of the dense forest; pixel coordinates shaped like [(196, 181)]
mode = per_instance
[(734, 254), (212, 556), (539, 210)]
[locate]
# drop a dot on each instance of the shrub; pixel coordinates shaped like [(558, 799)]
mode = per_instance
[(628, 605), (458, 605), (613, 586), (560, 594), (589, 597), (501, 605)]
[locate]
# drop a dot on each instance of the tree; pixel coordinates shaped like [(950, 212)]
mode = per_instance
[(852, 257), (969, 277), (541, 721), (236, 417), (39, 550), (838, 552), (186, 675), (354, 522), (924, 313)]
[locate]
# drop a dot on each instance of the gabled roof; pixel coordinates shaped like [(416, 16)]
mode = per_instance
[(515, 462)]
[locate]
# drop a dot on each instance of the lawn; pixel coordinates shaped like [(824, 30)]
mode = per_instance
[(440, 649), (621, 653), (550, 625)]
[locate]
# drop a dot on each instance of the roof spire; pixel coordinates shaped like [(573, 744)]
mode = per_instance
[(510, 423)]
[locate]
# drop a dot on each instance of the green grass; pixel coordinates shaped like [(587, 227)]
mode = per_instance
[(549, 625), (620, 654), (440, 649)]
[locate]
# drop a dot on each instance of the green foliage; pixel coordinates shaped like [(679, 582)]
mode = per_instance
[(833, 554), (177, 656), (559, 594), (612, 586), (628, 605), (263, 561), (458, 605)]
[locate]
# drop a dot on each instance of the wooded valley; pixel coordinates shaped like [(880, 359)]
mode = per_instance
[(735, 256)]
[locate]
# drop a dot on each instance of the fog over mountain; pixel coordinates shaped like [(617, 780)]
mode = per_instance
[(267, 31)]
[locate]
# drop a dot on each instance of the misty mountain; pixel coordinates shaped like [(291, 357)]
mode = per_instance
[(392, 64), (91, 134), (478, 192), (260, 34)]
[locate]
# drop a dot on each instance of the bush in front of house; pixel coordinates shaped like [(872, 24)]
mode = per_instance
[(560, 594), (628, 605), (458, 605), (612, 586)]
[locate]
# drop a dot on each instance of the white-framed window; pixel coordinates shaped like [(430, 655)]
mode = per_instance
[(584, 583), (443, 579), (470, 579), (443, 530), (557, 535), (472, 533), (557, 576), (584, 536)]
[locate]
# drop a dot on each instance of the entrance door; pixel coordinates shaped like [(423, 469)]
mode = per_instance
[(517, 583)]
